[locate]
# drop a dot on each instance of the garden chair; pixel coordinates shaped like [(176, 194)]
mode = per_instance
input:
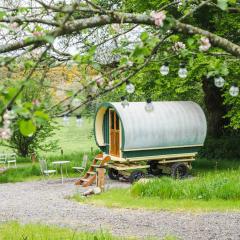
[(11, 158), (44, 169), (2, 159), (84, 164)]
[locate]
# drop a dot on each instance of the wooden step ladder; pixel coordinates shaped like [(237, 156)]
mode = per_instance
[(91, 175)]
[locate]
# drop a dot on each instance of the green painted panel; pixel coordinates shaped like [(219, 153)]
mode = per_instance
[(156, 152), (106, 131)]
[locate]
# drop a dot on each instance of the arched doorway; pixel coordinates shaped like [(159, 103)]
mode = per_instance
[(114, 127)]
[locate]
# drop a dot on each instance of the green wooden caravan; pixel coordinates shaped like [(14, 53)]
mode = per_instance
[(164, 140)]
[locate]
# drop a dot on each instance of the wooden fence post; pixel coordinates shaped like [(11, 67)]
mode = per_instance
[(101, 178)]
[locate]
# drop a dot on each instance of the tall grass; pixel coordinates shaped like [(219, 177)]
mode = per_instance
[(25, 171), (223, 185)]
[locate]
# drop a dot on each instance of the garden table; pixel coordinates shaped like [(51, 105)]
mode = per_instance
[(61, 163)]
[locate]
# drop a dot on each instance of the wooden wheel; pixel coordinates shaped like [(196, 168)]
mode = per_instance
[(179, 170), (136, 175), (153, 169), (113, 174)]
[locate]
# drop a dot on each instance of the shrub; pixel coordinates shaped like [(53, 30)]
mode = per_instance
[(220, 148), (20, 174)]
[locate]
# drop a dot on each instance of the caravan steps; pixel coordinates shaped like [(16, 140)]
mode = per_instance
[(91, 175)]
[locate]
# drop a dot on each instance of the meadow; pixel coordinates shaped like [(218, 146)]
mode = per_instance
[(73, 139)]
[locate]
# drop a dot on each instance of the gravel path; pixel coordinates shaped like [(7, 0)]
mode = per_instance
[(47, 203)]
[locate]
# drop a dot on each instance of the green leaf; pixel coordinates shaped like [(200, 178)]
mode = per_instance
[(28, 39), (190, 41), (49, 38), (28, 64), (27, 127), (2, 14), (144, 36), (222, 4), (42, 115)]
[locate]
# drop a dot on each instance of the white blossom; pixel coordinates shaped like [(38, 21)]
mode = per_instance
[(204, 44), (178, 46), (158, 17)]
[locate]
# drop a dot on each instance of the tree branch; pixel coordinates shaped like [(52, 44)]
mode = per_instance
[(97, 21), (216, 40)]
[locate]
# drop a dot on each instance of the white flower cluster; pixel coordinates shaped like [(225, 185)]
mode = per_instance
[(204, 44), (178, 46), (158, 17), (5, 131)]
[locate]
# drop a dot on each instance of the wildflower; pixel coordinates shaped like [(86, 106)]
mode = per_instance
[(36, 102), (6, 116), (5, 133), (111, 83), (13, 26), (93, 90), (178, 46), (204, 44), (130, 63), (37, 34), (158, 17), (6, 123), (99, 81)]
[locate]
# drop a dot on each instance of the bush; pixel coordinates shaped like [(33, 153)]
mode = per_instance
[(220, 148), (218, 185), (20, 174)]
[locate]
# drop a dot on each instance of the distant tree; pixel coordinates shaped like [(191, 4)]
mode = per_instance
[(32, 129), (39, 141)]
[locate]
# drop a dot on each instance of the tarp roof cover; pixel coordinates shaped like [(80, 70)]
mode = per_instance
[(170, 124)]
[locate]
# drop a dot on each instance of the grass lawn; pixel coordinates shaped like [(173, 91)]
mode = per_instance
[(122, 198), (16, 231), (74, 139)]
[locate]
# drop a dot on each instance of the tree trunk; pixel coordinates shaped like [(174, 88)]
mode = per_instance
[(216, 110)]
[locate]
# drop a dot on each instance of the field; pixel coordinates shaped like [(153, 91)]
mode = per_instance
[(74, 139)]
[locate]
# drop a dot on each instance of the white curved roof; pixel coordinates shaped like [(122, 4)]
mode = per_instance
[(178, 123)]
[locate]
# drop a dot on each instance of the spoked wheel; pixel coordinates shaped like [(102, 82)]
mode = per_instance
[(153, 169), (179, 170), (113, 174), (135, 176)]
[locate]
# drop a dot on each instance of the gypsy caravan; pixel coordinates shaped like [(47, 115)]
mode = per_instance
[(163, 141)]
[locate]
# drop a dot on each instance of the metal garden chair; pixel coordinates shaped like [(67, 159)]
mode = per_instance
[(11, 158), (44, 169), (84, 164), (2, 159)]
